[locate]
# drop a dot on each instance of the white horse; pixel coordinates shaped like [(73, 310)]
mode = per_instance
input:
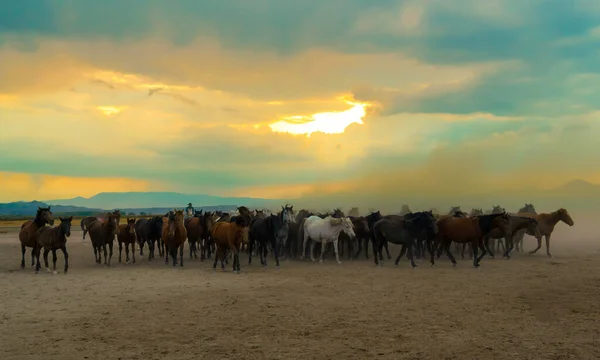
[(325, 230)]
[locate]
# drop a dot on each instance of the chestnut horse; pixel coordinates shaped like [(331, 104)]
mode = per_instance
[(28, 233), (174, 235), (229, 236), (126, 235), (198, 230), (473, 230), (52, 239), (102, 233), (547, 222)]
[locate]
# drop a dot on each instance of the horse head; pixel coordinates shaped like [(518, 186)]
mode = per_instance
[(563, 215), (131, 226), (43, 216), (348, 227), (208, 221), (65, 225), (337, 213), (498, 209)]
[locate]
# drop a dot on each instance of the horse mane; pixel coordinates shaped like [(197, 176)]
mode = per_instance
[(336, 221)]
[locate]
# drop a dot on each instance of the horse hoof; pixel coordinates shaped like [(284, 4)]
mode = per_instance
[(549, 255), (339, 263), (54, 272), (48, 270), (395, 265)]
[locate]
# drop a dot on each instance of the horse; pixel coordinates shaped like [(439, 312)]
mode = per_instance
[(293, 246), (228, 236), (102, 233), (372, 218), (403, 232), (324, 231), (87, 222), (52, 239), (266, 231), (198, 230), (473, 230), (173, 236), (126, 235), (516, 223), (28, 233), (361, 230), (354, 212), (547, 222), (518, 237), (149, 231)]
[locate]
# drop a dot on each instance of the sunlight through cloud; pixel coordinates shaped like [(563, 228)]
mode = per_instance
[(327, 122)]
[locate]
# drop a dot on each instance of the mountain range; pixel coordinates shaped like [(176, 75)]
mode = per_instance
[(578, 194)]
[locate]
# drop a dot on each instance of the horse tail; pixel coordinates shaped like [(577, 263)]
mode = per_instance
[(82, 224), (301, 236)]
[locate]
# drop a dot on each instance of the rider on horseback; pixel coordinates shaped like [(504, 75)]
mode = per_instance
[(189, 211)]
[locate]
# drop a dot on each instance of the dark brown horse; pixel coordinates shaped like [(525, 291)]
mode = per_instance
[(228, 237), (87, 222), (198, 230), (126, 235), (102, 233), (52, 239), (28, 233), (473, 230), (174, 235)]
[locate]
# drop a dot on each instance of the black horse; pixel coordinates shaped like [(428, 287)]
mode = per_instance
[(402, 232), (265, 231), (372, 218), (149, 231)]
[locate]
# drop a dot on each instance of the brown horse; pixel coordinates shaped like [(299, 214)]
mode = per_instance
[(198, 230), (229, 236), (102, 233), (126, 235), (472, 230), (52, 239), (87, 222), (28, 233), (174, 235), (547, 222)]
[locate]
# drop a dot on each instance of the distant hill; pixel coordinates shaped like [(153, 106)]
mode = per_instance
[(136, 200), (22, 208)]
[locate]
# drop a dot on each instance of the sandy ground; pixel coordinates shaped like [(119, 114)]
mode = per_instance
[(530, 307)]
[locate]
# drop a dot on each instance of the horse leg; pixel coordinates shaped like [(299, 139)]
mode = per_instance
[(23, 250), (312, 250), (95, 254), (37, 256), (66, 255), (476, 245), (110, 252), (166, 255), (323, 248), (449, 253), (45, 260), (411, 255), (387, 251), (265, 253), (402, 251), (305, 240), (133, 251), (486, 243), (142, 247), (464, 246), (367, 247), (54, 261), (35, 247), (539, 245), (250, 249), (509, 246), (276, 250), (181, 254), (121, 251), (215, 262), (359, 243), (335, 248), (548, 245), (191, 243), (126, 253), (84, 232)]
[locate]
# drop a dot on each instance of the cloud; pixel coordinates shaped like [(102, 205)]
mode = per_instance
[(31, 186)]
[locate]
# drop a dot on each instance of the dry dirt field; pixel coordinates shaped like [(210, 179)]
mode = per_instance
[(530, 307)]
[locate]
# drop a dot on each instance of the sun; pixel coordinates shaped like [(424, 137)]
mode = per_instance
[(109, 110), (327, 122)]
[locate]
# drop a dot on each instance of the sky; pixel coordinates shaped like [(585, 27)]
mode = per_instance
[(287, 99)]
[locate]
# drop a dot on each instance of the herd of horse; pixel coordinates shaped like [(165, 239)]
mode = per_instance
[(287, 233)]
